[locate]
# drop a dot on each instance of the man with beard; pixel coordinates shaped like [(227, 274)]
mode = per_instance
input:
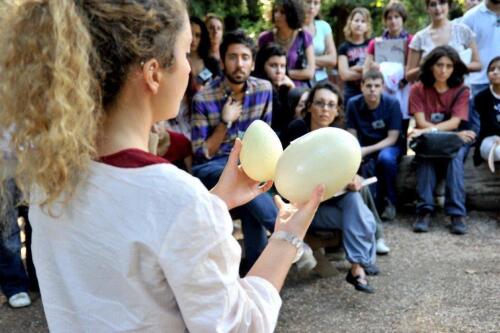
[(222, 111)]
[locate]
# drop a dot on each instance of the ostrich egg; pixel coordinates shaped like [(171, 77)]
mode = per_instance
[(329, 156), (260, 151)]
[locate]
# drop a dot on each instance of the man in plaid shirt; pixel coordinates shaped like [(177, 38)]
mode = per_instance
[(222, 111)]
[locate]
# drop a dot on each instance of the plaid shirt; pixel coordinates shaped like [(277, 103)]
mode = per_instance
[(207, 109)]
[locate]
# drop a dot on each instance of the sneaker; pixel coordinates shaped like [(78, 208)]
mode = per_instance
[(458, 226), (19, 300), (382, 248), (307, 261), (423, 223), (389, 212)]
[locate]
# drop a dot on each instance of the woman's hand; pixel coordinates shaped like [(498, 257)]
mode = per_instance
[(287, 82), (416, 132), (234, 187), (296, 218), (467, 136), (356, 184)]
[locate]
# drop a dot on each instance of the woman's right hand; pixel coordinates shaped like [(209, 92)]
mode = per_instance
[(295, 218), (467, 136)]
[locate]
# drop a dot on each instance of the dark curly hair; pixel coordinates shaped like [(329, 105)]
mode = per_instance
[(263, 56), (459, 68), (294, 10), (236, 37), (339, 120)]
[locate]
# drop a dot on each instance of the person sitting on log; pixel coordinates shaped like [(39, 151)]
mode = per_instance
[(439, 102), (488, 105), (348, 211), (375, 119)]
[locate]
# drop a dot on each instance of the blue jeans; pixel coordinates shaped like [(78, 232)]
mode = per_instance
[(13, 278), (350, 214), (256, 216), (383, 165), (427, 170)]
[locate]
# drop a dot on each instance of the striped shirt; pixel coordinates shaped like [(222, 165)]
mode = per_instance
[(207, 111)]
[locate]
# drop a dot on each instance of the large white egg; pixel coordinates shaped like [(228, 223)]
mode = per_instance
[(260, 151), (329, 156)]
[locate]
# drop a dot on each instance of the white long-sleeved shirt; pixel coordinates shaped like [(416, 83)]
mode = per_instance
[(145, 250)]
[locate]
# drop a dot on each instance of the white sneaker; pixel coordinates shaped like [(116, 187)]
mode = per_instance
[(19, 300), (307, 261), (381, 247)]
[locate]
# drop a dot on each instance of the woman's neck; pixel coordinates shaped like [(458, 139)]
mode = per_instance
[(357, 39), (127, 125), (394, 33), (441, 23), (441, 87), (285, 33)]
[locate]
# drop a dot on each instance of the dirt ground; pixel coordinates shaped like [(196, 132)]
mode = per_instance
[(434, 282)]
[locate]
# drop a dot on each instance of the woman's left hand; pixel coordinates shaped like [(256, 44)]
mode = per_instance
[(234, 187)]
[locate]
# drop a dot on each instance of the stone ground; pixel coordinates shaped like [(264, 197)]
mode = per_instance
[(434, 282)]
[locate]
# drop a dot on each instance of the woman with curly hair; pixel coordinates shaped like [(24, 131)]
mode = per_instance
[(288, 17), (439, 102), (123, 240)]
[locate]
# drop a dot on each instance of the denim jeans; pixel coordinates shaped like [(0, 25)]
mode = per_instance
[(427, 172), (350, 214), (13, 278), (256, 216), (383, 165)]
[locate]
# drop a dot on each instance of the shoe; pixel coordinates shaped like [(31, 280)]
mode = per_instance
[(423, 223), (307, 261), (19, 300), (389, 212), (382, 248), (354, 280), (458, 226), (371, 269)]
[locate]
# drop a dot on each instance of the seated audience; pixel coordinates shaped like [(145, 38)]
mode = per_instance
[(439, 102), (348, 211), (488, 105), (297, 101), (375, 119)]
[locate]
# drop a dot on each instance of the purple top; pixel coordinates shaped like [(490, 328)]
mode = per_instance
[(304, 39)]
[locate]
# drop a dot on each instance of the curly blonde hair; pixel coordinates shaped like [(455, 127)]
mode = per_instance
[(366, 15), (58, 82)]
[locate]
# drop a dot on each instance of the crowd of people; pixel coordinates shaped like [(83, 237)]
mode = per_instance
[(128, 151)]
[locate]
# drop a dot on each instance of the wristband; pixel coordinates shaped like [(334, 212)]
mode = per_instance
[(292, 240)]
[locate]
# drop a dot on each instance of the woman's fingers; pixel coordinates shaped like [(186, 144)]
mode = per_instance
[(235, 154)]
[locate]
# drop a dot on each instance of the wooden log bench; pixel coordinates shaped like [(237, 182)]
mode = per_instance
[(482, 187)]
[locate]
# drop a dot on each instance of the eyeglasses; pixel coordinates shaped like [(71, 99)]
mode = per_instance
[(324, 105)]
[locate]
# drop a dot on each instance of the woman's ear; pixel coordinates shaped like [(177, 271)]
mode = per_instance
[(151, 73)]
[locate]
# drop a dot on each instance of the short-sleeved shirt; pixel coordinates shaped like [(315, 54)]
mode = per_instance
[(323, 30), (461, 39), (372, 126), (356, 55), (484, 24), (303, 40), (207, 109), (438, 107)]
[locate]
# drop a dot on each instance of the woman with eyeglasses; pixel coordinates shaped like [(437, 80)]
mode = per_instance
[(288, 17), (440, 32), (325, 53), (347, 212)]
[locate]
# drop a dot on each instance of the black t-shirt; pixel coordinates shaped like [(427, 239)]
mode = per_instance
[(488, 107), (356, 55)]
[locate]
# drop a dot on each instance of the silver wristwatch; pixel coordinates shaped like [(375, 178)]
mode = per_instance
[(293, 240)]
